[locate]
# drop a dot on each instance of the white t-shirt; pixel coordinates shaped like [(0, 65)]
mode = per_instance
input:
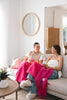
[(40, 58)]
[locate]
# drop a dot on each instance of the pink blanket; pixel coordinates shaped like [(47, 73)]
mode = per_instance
[(41, 81), (41, 76), (21, 73), (34, 69), (26, 68)]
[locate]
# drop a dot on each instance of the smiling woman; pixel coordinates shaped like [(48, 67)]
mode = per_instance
[(30, 24)]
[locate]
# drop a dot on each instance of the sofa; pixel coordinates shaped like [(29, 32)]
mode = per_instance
[(57, 87)]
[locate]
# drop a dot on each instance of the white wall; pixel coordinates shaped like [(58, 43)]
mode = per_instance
[(9, 31), (26, 41), (53, 16), (13, 29), (17, 43), (36, 6), (3, 32)]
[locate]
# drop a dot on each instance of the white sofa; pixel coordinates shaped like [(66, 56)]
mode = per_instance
[(57, 87)]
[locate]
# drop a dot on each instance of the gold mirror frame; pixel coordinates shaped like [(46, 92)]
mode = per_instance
[(38, 24)]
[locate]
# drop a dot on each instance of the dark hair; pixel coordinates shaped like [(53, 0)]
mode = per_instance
[(35, 44), (57, 48)]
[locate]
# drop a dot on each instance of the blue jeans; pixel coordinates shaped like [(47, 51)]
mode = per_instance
[(54, 75), (33, 88)]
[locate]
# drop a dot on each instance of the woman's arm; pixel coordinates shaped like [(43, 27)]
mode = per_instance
[(45, 64), (60, 64), (48, 58), (25, 59), (41, 59)]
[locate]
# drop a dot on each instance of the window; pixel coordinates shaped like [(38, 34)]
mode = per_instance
[(65, 30)]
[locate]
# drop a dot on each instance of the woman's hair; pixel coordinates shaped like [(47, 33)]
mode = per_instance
[(57, 48), (35, 44)]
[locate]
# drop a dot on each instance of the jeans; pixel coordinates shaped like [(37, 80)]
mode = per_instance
[(33, 88), (54, 75)]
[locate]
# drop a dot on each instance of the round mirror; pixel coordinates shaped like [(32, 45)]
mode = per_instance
[(30, 24)]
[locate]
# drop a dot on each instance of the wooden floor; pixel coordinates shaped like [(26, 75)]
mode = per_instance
[(22, 96)]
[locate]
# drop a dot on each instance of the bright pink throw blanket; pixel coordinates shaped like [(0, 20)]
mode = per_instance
[(41, 75), (34, 69), (26, 68), (21, 73), (41, 81)]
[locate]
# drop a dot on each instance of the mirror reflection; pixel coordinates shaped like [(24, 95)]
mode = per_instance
[(30, 24), (56, 23)]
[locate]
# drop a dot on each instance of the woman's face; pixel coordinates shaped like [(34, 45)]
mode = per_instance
[(54, 50), (37, 48)]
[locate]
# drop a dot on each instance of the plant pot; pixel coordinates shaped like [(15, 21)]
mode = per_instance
[(4, 83)]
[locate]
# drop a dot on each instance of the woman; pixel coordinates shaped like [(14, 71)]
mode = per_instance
[(53, 62), (32, 56)]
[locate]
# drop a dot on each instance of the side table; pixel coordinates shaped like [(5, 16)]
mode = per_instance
[(13, 87)]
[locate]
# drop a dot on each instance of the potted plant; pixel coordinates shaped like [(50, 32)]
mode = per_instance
[(3, 78)]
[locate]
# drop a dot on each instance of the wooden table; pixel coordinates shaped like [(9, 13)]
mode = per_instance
[(13, 87)]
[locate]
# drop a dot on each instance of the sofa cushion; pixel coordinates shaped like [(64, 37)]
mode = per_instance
[(16, 63), (64, 69), (12, 73), (58, 85)]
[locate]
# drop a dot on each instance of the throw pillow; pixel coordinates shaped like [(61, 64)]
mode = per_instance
[(16, 63)]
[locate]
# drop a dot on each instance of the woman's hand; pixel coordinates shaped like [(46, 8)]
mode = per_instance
[(25, 59), (46, 66), (43, 65), (40, 62), (32, 61)]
